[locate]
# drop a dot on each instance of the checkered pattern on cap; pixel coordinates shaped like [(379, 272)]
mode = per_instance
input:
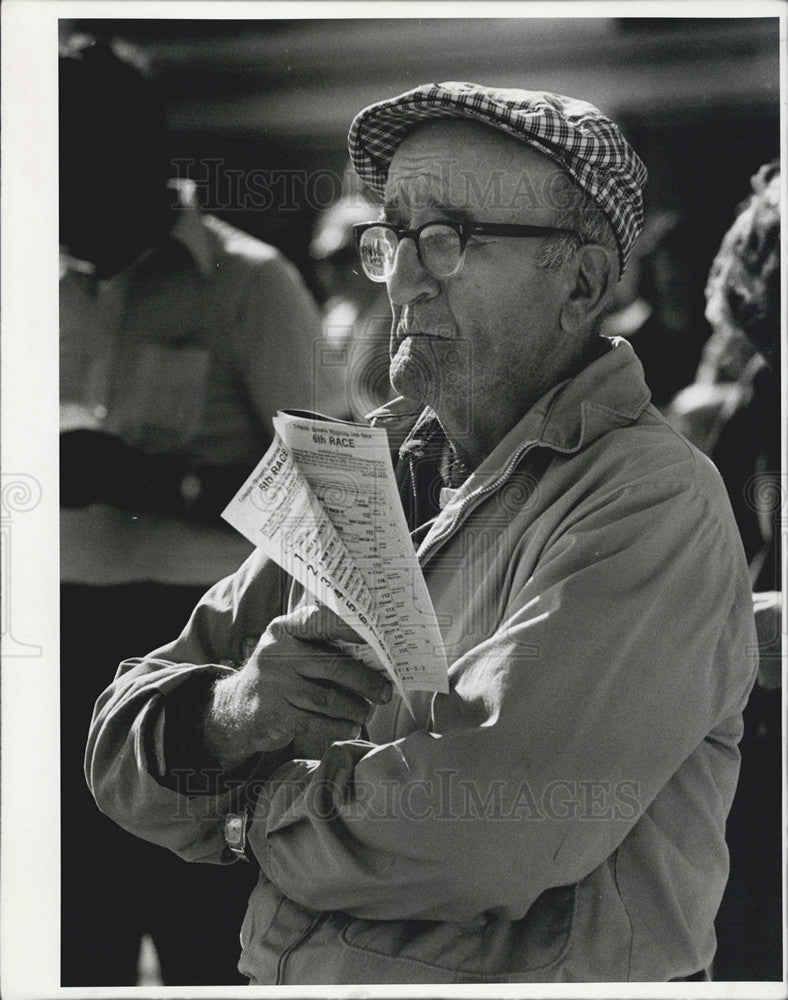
[(573, 133)]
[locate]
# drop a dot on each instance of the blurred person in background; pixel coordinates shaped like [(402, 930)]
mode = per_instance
[(733, 412), (356, 313), (658, 306), (732, 409), (180, 337)]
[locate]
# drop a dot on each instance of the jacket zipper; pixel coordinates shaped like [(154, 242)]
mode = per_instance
[(280, 965), (476, 495)]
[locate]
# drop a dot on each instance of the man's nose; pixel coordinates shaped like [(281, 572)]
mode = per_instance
[(409, 280)]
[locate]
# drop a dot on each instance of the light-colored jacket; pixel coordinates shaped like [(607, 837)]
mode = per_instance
[(559, 815)]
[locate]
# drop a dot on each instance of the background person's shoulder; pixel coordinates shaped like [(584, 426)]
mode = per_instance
[(229, 241)]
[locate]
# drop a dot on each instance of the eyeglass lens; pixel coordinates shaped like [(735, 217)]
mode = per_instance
[(439, 249)]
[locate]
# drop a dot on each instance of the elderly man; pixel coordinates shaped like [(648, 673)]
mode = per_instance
[(559, 815)]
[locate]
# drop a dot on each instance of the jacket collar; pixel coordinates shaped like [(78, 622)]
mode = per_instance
[(610, 392), (189, 229)]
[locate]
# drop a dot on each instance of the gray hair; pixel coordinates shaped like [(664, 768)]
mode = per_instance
[(580, 212)]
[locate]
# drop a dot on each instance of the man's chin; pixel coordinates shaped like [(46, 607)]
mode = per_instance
[(412, 373)]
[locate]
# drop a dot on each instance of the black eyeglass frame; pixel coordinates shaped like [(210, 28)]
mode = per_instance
[(463, 229)]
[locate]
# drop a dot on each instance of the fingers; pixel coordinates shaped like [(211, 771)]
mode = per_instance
[(280, 660), (304, 689), (315, 623), (315, 742), (319, 733), (319, 661), (310, 734), (327, 700), (345, 672)]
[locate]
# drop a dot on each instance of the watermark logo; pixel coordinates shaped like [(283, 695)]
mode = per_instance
[(19, 494), (223, 188), (444, 797)]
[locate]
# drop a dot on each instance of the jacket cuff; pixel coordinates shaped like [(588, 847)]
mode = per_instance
[(189, 768)]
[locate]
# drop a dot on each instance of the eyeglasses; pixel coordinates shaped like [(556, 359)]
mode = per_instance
[(440, 246)]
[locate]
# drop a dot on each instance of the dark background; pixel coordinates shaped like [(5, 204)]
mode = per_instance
[(254, 103)]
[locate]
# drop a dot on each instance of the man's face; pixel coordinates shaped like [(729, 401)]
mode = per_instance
[(485, 341)]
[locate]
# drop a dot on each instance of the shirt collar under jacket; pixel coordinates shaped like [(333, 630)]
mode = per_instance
[(188, 230)]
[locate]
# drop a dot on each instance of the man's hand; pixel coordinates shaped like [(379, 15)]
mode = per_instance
[(294, 687)]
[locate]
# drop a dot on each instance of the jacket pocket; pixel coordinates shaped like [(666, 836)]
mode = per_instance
[(486, 950), (274, 926)]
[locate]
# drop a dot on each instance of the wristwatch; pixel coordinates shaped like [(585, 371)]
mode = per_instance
[(235, 825)]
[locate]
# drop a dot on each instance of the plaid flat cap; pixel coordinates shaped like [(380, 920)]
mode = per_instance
[(573, 133)]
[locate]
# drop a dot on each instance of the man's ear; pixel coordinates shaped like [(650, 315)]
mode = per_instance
[(593, 277)]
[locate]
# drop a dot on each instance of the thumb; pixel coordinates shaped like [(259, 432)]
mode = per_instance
[(317, 623)]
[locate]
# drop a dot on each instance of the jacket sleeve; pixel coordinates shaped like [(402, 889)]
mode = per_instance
[(618, 656), (125, 763)]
